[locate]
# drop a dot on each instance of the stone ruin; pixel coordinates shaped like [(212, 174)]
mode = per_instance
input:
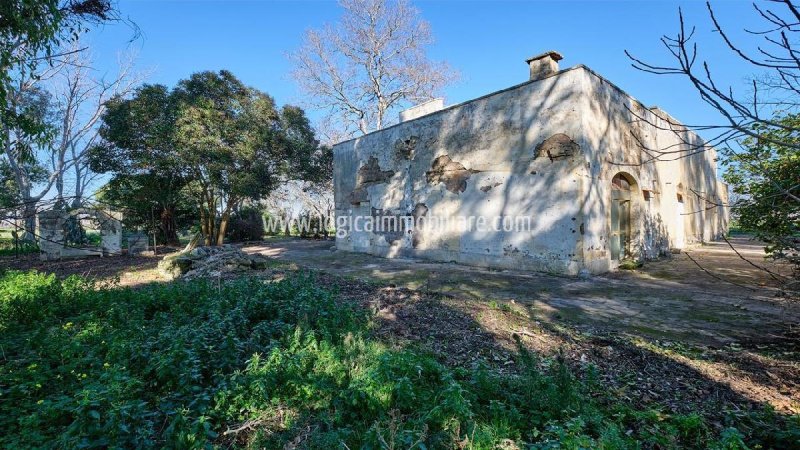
[(52, 237), (201, 262), (137, 244), (555, 168)]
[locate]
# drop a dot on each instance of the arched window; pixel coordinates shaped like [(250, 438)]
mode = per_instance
[(620, 182)]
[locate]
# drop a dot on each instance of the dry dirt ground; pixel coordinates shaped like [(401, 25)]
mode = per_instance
[(672, 299), (670, 334)]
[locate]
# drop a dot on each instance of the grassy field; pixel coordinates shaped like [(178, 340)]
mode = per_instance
[(7, 247), (288, 364)]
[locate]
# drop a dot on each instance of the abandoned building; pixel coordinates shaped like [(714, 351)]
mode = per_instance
[(596, 177)]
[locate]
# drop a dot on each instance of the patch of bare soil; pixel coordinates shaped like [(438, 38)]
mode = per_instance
[(130, 270), (647, 373)]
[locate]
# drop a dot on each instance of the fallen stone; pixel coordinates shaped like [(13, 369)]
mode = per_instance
[(204, 262)]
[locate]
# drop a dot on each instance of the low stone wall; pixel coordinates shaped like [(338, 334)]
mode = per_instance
[(52, 244), (137, 244)]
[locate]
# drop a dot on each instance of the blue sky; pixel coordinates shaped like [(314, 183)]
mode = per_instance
[(486, 41)]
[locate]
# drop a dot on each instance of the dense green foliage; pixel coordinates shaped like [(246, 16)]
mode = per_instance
[(211, 138), (766, 178), (178, 365), (247, 224), (151, 203)]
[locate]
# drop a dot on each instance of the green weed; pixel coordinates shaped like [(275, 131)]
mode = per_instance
[(270, 365)]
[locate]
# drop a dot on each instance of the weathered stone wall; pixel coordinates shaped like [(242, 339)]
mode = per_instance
[(662, 157), (544, 150), (51, 234), (110, 232), (517, 153), (52, 241)]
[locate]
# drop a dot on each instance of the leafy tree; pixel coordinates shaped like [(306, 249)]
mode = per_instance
[(150, 202), (8, 196), (766, 177), (137, 147), (227, 142), (246, 224)]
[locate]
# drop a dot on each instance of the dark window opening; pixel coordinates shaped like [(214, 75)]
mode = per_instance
[(620, 182)]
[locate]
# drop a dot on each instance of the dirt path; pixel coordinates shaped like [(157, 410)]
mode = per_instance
[(671, 299)]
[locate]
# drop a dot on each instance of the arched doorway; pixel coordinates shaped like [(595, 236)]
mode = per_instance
[(679, 229), (619, 242)]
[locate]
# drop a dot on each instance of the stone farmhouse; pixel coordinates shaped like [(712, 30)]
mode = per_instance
[(569, 174)]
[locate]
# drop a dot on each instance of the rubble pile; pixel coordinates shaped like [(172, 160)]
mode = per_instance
[(202, 262)]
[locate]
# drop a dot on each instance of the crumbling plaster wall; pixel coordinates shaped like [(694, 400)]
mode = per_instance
[(623, 136), (517, 153), (546, 150)]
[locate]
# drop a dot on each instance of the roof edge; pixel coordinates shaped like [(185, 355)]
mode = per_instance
[(520, 85), (465, 102)]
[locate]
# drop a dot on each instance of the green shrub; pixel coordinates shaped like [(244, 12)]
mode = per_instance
[(12, 247), (246, 225), (629, 264), (177, 365)]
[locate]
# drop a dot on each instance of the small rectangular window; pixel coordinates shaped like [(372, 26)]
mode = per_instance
[(647, 195)]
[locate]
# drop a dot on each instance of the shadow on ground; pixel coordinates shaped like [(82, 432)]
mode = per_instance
[(662, 337), (644, 374), (666, 300)]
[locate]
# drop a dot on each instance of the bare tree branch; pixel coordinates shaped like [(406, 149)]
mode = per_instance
[(369, 65)]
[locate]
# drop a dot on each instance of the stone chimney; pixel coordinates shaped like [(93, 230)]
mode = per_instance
[(544, 65), (423, 109)]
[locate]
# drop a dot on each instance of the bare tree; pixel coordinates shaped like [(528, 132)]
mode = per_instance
[(69, 98), (776, 89), (23, 151), (81, 96), (368, 66), (294, 199)]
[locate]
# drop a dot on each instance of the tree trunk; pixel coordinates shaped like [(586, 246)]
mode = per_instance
[(204, 225), (223, 221), (208, 237), (211, 220), (60, 190), (29, 221), (223, 225), (168, 226)]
